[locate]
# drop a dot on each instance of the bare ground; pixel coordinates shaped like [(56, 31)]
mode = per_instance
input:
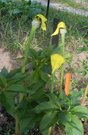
[(8, 60)]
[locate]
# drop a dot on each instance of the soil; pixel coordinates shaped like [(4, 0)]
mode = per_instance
[(86, 128), (6, 122), (9, 60)]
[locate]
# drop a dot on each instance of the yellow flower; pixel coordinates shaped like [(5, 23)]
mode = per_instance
[(42, 21), (56, 61), (60, 25)]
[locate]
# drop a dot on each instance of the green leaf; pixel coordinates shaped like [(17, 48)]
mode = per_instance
[(34, 76), (45, 53), (45, 106), (26, 124), (12, 73), (54, 99), (49, 119), (75, 98), (27, 117), (17, 88), (43, 76), (29, 122), (68, 57), (3, 81), (15, 78), (74, 126), (37, 95), (38, 85), (45, 132), (8, 101), (4, 72), (80, 111), (33, 53)]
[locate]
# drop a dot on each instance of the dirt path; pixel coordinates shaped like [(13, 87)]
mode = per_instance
[(59, 6)]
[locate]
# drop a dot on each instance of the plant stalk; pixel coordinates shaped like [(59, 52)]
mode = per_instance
[(17, 126), (27, 47), (62, 68), (52, 83), (49, 131)]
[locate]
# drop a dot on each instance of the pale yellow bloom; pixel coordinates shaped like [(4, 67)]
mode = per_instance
[(41, 20), (60, 25), (56, 61)]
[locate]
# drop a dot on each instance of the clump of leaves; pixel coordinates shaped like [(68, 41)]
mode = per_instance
[(64, 111)]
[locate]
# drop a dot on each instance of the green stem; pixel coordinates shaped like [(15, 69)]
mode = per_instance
[(85, 94), (52, 83), (27, 47), (62, 68), (63, 40), (49, 131), (17, 126), (62, 76)]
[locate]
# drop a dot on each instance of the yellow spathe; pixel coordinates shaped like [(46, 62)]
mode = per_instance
[(42, 20), (56, 61), (60, 25)]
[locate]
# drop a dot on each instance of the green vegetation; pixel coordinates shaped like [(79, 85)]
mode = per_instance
[(14, 28)]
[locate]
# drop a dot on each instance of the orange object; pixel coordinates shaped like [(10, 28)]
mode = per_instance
[(67, 83)]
